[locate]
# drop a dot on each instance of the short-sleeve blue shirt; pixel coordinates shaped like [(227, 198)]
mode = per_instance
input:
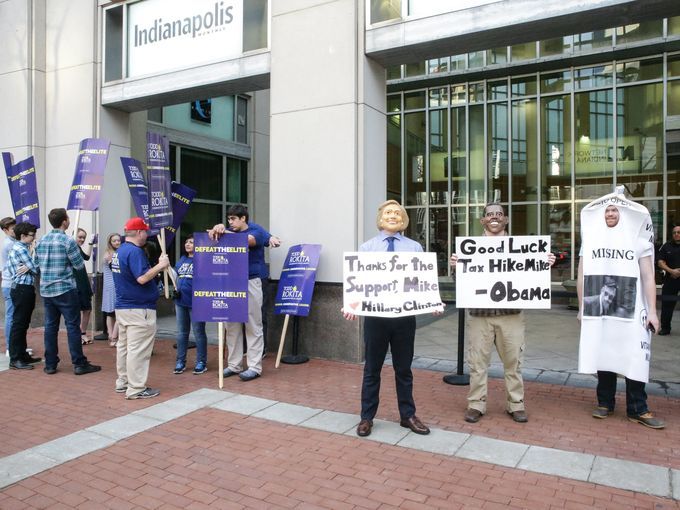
[(257, 267), (129, 262)]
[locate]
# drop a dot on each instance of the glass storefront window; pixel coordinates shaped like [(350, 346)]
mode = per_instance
[(439, 97), (672, 215), (414, 100), (639, 70), (458, 225), (394, 103), (439, 151), (556, 82), (415, 139), (592, 77), (417, 226), (476, 92), (674, 97), (556, 222), (639, 146), (673, 173), (524, 86), (394, 157), (556, 154), (438, 65), (477, 155), (523, 219), (458, 94), (498, 89), (458, 156), (525, 51), (199, 217), (594, 119), (498, 152), (593, 40), (439, 237), (556, 46), (475, 59), (497, 56), (237, 180), (639, 31), (673, 65), (202, 171), (474, 224), (524, 166)]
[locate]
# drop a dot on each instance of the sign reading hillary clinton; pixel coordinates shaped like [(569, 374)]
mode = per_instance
[(296, 286), (616, 234), (503, 272), (220, 278), (390, 284), (88, 178)]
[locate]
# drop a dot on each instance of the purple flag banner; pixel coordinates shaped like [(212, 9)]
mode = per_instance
[(23, 190), (134, 175), (158, 167), (296, 286), (88, 179), (181, 200), (220, 279)]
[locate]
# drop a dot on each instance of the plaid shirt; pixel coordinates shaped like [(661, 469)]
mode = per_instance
[(19, 256), (57, 255)]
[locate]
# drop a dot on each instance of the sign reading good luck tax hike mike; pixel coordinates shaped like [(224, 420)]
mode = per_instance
[(390, 284), (503, 272)]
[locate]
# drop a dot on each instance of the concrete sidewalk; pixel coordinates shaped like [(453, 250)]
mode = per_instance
[(286, 440)]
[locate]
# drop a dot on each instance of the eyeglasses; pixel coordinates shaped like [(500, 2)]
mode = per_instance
[(496, 214)]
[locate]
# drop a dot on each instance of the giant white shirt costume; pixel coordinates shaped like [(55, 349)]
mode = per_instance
[(615, 338)]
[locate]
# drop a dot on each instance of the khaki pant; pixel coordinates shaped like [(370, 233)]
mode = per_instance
[(254, 336), (507, 333), (136, 334)]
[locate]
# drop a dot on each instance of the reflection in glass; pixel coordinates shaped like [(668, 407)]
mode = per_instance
[(556, 222), (591, 77), (525, 51), (438, 65), (556, 154), (639, 70), (593, 40), (458, 157), (439, 238), (458, 94), (556, 82), (523, 220), (415, 69), (497, 55), (674, 65), (383, 11), (394, 157), (439, 97), (594, 118), (639, 31), (475, 225), (417, 226), (477, 158), (458, 62), (476, 92), (524, 150), (394, 72), (524, 86), (439, 174), (674, 97), (458, 226), (202, 171), (498, 89), (414, 138), (414, 100), (475, 59), (498, 152), (394, 103), (556, 46), (639, 147), (674, 25)]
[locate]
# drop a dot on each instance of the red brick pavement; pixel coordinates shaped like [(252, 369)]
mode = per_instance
[(200, 460)]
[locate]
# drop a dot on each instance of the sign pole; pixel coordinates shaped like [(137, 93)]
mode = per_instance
[(165, 272), (283, 338), (220, 340)]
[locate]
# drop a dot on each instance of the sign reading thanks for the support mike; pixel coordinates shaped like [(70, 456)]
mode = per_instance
[(390, 284), (503, 272)]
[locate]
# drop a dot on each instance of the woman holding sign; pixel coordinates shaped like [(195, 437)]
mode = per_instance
[(397, 333)]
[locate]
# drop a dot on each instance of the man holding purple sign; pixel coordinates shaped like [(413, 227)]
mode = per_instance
[(258, 238)]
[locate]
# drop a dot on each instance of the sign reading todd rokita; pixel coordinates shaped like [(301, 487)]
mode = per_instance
[(195, 32), (503, 272), (220, 279), (390, 284), (296, 285)]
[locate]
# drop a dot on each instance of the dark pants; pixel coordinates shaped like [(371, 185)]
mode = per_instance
[(23, 298), (636, 396), (670, 290), (398, 334), (68, 305)]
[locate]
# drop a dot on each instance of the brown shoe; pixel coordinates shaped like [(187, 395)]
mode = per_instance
[(472, 415), (519, 416), (364, 428), (415, 425), (648, 420)]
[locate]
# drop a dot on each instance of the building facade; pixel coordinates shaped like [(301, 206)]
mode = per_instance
[(313, 112)]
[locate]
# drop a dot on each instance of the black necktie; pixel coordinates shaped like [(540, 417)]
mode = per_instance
[(390, 243)]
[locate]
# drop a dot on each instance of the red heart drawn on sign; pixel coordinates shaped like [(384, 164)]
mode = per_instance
[(353, 306)]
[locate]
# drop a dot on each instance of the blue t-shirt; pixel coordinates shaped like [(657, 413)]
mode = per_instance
[(185, 280), (257, 268), (129, 262)]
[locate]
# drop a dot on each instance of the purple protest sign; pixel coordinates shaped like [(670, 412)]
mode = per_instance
[(296, 286), (181, 200), (23, 189), (88, 178), (139, 192), (220, 279), (158, 167)]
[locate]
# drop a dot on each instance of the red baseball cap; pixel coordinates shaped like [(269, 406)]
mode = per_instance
[(135, 223)]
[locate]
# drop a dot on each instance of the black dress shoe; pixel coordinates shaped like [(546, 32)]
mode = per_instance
[(415, 425), (20, 365), (364, 428), (88, 368), (31, 360), (50, 370), (664, 331)]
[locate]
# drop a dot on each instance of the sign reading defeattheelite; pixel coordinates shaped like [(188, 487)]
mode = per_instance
[(194, 33)]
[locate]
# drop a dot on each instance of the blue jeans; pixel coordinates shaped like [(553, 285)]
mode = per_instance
[(183, 321), (636, 396), (9, 313), (68, 305)]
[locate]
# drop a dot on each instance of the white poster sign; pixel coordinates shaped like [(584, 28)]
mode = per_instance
[(614, 313), (390, 284), (503, 272), (165, 35)]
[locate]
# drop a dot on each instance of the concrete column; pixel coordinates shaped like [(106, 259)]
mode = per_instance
[(328, 139)]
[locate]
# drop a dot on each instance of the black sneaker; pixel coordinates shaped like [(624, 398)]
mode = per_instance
[(50, 370), (87, 368), (31, 360), (20, 365), (146, 393)]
